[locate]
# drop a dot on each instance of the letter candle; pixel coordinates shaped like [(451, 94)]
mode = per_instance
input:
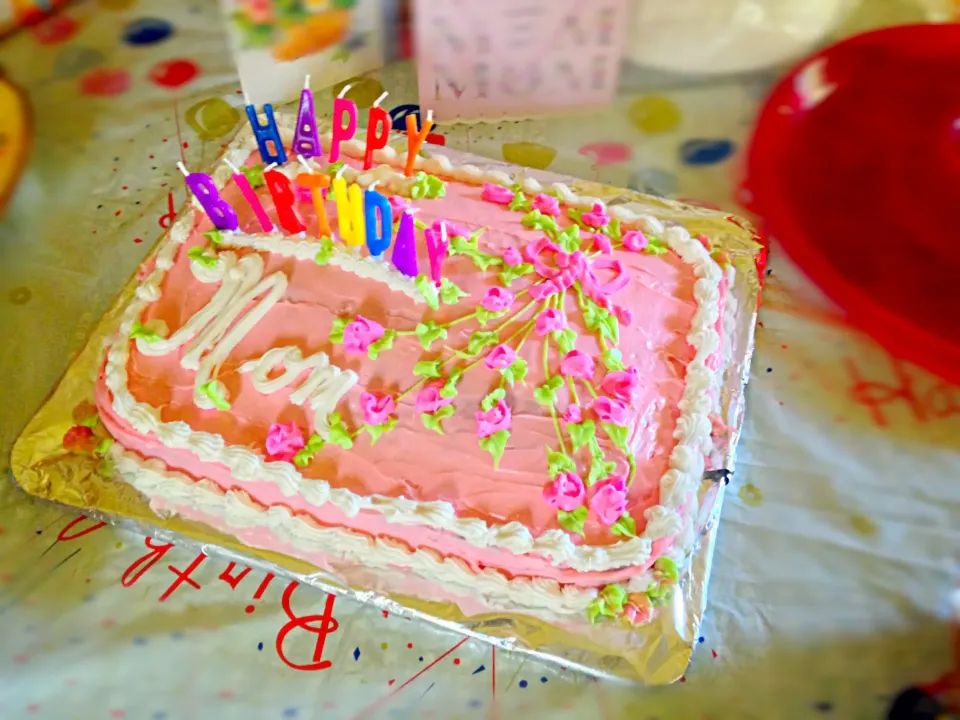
[(306, 140), (378, 131), (376, 204), (317, 183), (350, 232), (284, 200), (404, 257), (415, 139), (251, 197), (266, 134), (341, 132), (205, 190)]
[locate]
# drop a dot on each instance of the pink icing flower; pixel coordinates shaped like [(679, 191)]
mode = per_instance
[(612, 411), (377, 409), (550, 320), (573, 414), (577, 363), (497, 194), (360, 334), (566, 492), (558, 268), (494, 420), (546, 204), (502, 356), (596, 218), (635, 240), (429, 399), (609, 500), (453, 230), (705, 241), (283, 441), (398, 205), (622, 384), (601, 243), (638, 609), (512, 257), (623, 315), (497, 299)]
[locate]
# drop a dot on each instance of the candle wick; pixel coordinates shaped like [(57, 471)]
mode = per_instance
[(380, 99), (372, 185), (429, 115), (182, 168), (246, 98), (231, 166), (340, 171), (304, 162), (346, 89), (269, 167), (306, 82)]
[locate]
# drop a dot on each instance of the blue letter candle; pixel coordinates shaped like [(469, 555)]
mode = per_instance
[(378, 237), (266, 135)]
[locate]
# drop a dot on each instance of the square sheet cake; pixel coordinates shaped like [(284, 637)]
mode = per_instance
[(517, 413)]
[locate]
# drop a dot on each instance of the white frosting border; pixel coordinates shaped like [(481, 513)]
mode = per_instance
[(678, 485)]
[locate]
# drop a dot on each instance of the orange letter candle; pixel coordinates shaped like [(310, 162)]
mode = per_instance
[(316, 183), (415, 139)]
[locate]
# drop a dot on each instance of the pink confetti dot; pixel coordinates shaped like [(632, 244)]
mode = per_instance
[(225, 694), (118, 713), (20, 659), (329, 705), (71, 681), (33, 708), (105, 82)]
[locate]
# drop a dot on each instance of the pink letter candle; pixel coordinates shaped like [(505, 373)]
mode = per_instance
[(250, 195), (404, 255), (205, 190), (306, 140), (268, 137), (342, 107), (437, 245), (284, 200), (378, 208), (378, 131)]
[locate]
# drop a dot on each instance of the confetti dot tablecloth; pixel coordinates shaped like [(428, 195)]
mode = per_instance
[(838, 545)]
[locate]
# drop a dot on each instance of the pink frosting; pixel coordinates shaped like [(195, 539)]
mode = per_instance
[(597, 217), (638, 609), (550, 320), (453, 229), (284, 440), (611, 410), (512, 256), (360, 334), (429, 399), (609, 500), (573, 414), (546, 204), (622, 384), (497, 299), (377, 409), (566, 492), (635, 240), (494, 420), (398, 205), (602, 244), (502, 356), (578, 364), (497, 194)]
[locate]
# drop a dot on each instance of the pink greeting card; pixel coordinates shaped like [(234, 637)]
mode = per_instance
[(492, 59)]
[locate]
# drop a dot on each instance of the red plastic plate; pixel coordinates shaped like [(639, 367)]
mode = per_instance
[(854, 168)]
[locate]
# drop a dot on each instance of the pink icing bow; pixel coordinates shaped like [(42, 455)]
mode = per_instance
[(560, 270), (609, 500), (497, 299), (283, 441), (376, 409), (599, 291), (360, 334), (566, 492), (494, 420), (497, 194)]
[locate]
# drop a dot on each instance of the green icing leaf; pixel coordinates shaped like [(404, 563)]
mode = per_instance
[(582, 434), (197, 254), (575, 214), (495, 445), (546, 394), (614, 230), (600, 467), (384, 343), (103, 447), (573, 521), (479, 340), (450, 293), (138, 330), (429, 333), (305, 455), (614, 597), (666, 570), (519, 202), (214, 236), (610, 327), (326, 251), (463, 246), (434, 421), (595, 610), (436, 188), (90, 422), (376, 431), (336, 331), (511, 273), (626, 526), (427, 369), (618, 435), (334, 167), (484, 316), (600, 321), (427, 186), (569, 239), (558, 462), (492, 399), (483, 261), (254, 175), (612, 359), (339, 435), (428, 289), (516, 373), (536, 220), (656, 247), (449, 389), (566, 339), (216, 393)]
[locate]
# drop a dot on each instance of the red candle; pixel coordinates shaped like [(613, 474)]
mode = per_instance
[(285, 201), (378, 131)]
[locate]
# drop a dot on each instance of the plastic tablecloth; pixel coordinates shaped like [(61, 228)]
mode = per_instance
[(838, 542)]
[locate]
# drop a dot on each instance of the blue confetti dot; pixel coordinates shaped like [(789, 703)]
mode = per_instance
[(260, 646), (769, 369), (290, 712), (159, 715), (543, 679), (147, 31), (420, 658), (523, 683), (824, 706), (706, 152), (480, 669), (356, 654), (700, 639), (75, 640), (475, 703), (139, 641)]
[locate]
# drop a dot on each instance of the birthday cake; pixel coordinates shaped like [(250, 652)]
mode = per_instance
[(504, 390)]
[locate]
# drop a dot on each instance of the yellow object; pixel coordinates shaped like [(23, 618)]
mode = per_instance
[(313, 35), (350, 219), (363, 90), (212, 118), (14, 136), (358, 219), (654, 114), (529, 154)]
